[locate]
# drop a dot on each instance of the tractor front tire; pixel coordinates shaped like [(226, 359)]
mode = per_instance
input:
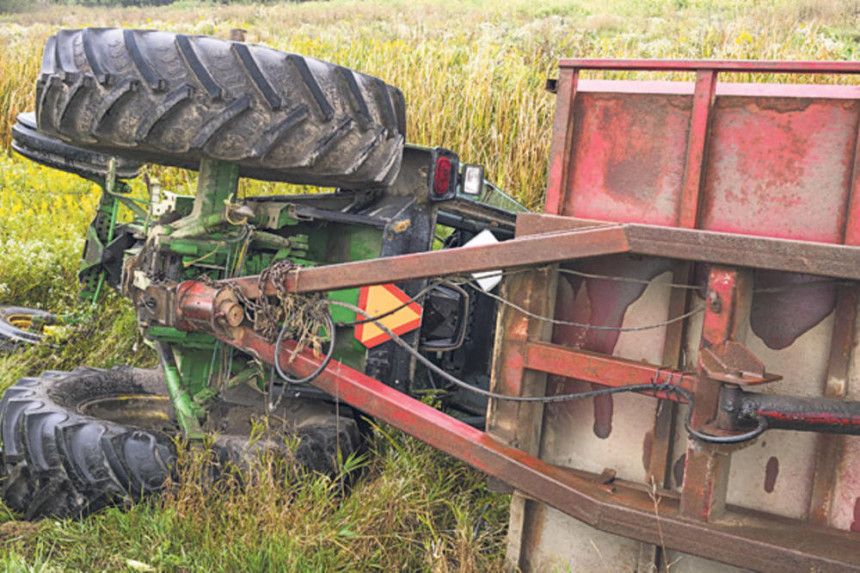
[(175, 99), (75, 442)]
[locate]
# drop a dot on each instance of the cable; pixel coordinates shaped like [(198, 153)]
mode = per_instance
[(626, 279), (489, 394), (415, 298), (752, 434), (763, 290), (277, 361), (652, 387), (588, 326)]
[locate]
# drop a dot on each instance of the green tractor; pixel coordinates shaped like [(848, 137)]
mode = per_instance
[(109, 100)]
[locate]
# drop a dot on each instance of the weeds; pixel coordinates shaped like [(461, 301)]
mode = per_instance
[(473, 74), (410, 509)]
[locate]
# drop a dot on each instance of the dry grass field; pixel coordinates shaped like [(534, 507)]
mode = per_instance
[(473, 74)]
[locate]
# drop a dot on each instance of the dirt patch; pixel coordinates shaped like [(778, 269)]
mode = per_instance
[(17, 530)]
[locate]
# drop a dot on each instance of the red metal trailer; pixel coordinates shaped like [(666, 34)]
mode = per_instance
[(699, 245)]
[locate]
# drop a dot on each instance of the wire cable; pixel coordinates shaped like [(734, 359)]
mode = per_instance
[(585, 275), (584, 325), (326, 316), (394, 310), (652, 387)]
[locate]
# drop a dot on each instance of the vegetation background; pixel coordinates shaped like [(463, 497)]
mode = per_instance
[(473, 74)]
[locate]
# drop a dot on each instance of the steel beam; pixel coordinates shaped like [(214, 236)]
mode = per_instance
[(584, 242), (763, 67), (575, 241)]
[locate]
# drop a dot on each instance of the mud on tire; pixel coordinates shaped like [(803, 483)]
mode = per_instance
[(61, 456), (175, 99)]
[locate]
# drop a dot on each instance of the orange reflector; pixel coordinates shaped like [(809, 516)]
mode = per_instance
[(380, 299)]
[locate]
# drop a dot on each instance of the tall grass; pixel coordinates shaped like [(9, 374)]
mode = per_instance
[(473, 74)]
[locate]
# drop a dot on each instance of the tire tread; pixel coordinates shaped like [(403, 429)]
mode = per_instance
[(176, 99)]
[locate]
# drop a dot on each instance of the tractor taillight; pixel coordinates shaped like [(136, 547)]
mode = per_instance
[(444, 174)]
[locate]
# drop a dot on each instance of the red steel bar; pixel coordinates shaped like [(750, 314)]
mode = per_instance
[(706, 470), (703, 101), (559, 169), (604, 370), (805, 257), (584, 242), (770, 67), (687, 244), (829, 449)]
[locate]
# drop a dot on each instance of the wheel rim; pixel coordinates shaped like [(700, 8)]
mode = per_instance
[(145, 411), (22, 321)]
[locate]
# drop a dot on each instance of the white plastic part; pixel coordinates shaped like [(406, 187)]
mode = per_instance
[(473, 180), (487, 280)]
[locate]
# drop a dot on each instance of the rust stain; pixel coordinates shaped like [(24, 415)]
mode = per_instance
[(678, 470), (647, 447), (603, 406), (606, 303), (808, 306), (770, 474), (855, 525), (401, 226)]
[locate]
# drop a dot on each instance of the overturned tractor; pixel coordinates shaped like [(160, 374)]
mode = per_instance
[(692, 287)]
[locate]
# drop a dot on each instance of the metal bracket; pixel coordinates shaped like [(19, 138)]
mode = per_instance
[(732, 362)]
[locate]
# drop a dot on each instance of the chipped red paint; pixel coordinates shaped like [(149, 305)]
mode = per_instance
[(767, 166), (628, 164), (771, 471)]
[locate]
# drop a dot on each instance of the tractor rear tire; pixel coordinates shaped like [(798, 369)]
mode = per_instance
[(175, 99), (35, 146), (75, 442)]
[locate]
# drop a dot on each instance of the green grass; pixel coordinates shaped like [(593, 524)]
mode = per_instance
[(473, 74), (411, 509)]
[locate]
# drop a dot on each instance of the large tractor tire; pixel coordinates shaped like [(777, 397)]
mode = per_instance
[(176, 99), (74, 442), (35, 146)]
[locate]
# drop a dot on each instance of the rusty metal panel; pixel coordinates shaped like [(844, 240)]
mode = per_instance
[(588, 434), (764, 160), (558, 542), (780, 167), (628, 157)]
